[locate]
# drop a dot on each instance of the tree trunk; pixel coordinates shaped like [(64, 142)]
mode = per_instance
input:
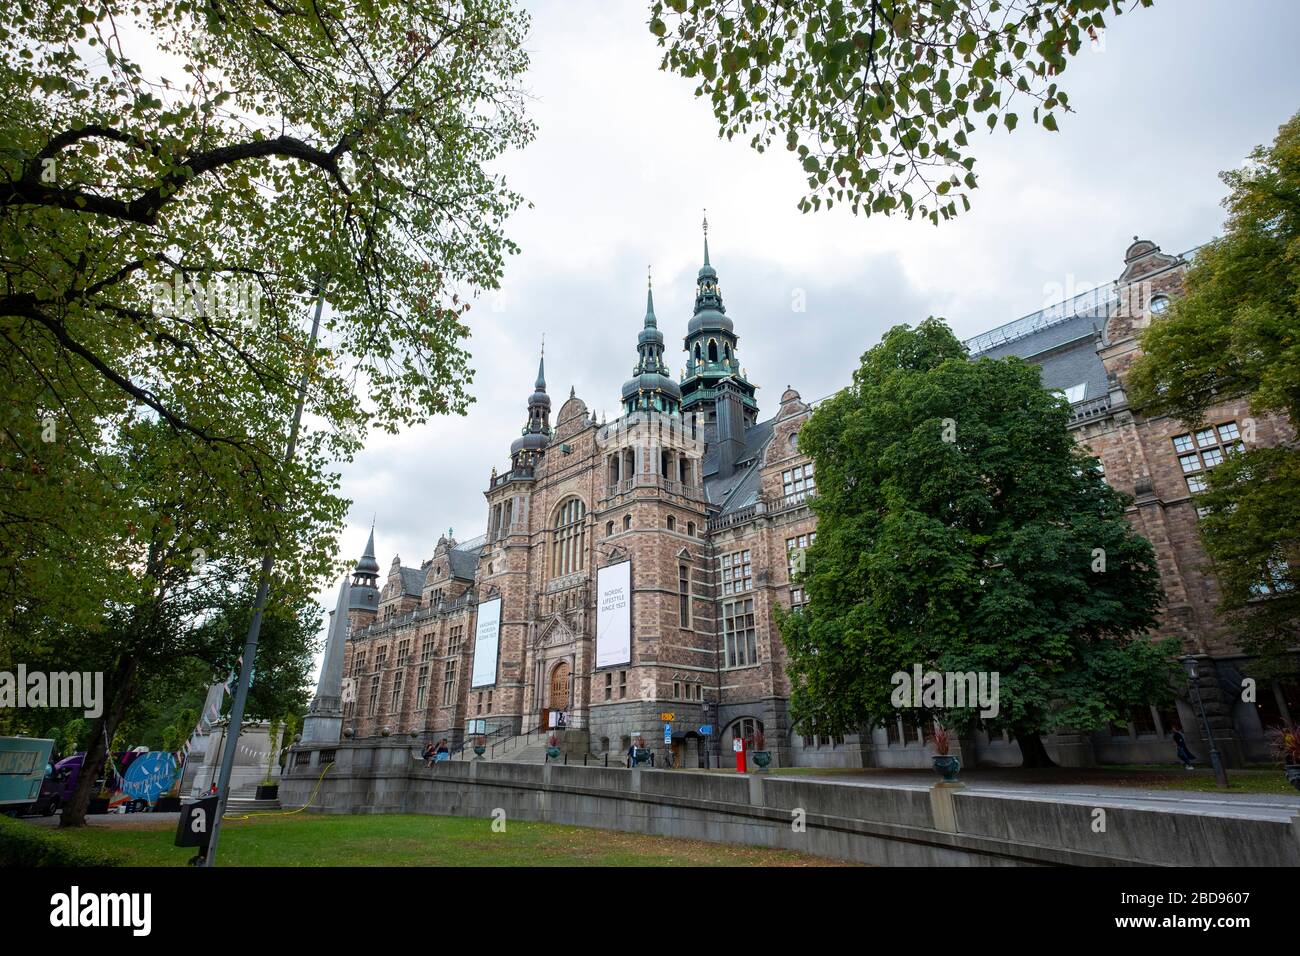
[(119, 691), (1032, 751)]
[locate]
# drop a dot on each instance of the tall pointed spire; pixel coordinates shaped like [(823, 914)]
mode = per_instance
[(650, 321), (706, 238), (368, 563), (651, 387), (536, 435)]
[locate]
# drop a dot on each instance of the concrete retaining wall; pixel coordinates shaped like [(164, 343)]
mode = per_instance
[(883, 825)]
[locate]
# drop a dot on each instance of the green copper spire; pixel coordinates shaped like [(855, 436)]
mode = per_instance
[(650, 321), (651, 386), (706, 239)]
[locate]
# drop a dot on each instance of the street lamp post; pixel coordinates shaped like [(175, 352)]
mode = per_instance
[(1193, 680), (235, 723)]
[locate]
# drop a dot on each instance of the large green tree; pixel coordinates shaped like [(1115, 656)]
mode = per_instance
[(878, 98), (960, 528), (1235, 332)]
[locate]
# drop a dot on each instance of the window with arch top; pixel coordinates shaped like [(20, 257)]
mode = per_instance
[(569, 549)]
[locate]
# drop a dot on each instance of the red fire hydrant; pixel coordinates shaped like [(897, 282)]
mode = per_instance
[(738, 745)]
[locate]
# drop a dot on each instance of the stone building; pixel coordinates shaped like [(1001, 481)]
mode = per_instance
[(706, 505)]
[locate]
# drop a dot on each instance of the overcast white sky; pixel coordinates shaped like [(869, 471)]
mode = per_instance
[(626, 158)]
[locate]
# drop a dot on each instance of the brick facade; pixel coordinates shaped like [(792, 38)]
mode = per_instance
[(689, 486)]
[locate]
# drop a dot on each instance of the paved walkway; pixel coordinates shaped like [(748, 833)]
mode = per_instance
[(1251, 806)]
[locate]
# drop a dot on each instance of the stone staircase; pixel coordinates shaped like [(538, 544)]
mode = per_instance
[(531, 748), (238, 804)]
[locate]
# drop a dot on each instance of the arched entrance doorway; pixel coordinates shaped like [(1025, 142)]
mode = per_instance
[(559, 689)]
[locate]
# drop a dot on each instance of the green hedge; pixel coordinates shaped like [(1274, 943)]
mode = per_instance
[(24, 844)]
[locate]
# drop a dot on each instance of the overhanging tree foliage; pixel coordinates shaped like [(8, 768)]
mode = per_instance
[(1236, 331), (961, 529), (877, 98), (175, 178)]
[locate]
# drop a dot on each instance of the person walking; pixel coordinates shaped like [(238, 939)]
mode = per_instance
[(1180, 745), (631, 755)]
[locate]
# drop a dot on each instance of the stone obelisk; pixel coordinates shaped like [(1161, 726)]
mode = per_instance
[(325, 717)]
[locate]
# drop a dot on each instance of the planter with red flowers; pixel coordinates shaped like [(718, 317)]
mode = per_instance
[(761, 756), (1284, 740), (946, 764), (552, 747)]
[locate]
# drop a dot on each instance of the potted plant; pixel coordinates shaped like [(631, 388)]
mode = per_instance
[(480, 746), (949, 765), (268, 789), (760, 754), (1284, 741), (552, 747)]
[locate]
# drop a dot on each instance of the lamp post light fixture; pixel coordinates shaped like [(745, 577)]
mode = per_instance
[(1193, 681)]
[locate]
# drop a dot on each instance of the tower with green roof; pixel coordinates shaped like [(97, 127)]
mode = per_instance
[(651, 387), (714, 386)]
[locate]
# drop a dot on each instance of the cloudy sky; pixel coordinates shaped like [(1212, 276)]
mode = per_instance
[(626, 159)]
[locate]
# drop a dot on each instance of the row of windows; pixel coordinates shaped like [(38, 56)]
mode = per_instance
[(421, 689), (428, 650), (739, 637), (737, 572), (1199, 451), (797, 482), (609, 685), (670, 523), (688, 690)]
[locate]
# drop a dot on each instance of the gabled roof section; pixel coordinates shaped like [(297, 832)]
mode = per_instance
[(1067, 354), (413, 580), (463, 562), (740, 488)]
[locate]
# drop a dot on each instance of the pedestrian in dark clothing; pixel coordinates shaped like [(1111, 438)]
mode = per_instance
[(631, 756), (1185, 755)]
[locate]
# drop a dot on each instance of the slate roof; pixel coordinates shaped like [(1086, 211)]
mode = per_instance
[(413, 580), (463, 560), (1066, 351), (740, 488)]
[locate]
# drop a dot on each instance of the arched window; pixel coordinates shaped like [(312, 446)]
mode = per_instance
[(713, 350), (697, 351), (609, 528), (672, 523), (690, 528), (627, 522), (749, 728), (569, 552)]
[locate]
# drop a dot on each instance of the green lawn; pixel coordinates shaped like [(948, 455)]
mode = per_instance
[(417, 840)]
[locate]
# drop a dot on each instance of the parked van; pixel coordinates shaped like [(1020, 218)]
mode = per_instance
[(59, 785), (24, 767)]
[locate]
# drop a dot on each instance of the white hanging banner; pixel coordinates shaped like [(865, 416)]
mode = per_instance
[(614, 614), (487, 641)]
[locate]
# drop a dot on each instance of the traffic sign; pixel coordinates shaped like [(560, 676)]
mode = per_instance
[(667, 717), (706, 730), (668, 733)]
